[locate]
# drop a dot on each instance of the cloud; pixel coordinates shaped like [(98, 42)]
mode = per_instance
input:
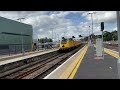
[(101, 16), (44, 22), (18, 14)]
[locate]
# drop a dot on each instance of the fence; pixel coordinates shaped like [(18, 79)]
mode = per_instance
[(13, 49)]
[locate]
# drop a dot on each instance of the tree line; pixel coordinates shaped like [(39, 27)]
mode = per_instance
[(45, 40), (107, 36)]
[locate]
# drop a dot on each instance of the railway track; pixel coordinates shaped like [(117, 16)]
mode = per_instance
[(40, 68), (29, 64), (111, 46)]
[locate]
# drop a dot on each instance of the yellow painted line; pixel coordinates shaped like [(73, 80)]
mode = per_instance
[(67, 72), (110, 52), (78, 65)]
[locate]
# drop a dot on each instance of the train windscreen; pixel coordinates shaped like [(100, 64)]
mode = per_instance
[(64, 41)]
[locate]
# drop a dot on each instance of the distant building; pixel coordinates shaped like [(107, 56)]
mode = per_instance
[(14, 34)]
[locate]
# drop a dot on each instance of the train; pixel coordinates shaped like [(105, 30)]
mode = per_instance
[(68, 44)]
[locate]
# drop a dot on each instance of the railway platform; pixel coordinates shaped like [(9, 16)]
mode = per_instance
[(17, 57), (85, 65), (95, 68)]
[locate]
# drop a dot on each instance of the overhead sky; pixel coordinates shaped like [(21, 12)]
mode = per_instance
[(63, 23)]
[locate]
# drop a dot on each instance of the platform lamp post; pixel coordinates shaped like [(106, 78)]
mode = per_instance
[(89, 35), (92, 21), (52, 30), (21, 36), (118, 29), (58, 39), (52, 34), (55, 38), (22, 43)]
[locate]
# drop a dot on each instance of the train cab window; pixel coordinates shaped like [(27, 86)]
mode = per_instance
[(70, 39), (35, 44), (64, 41)]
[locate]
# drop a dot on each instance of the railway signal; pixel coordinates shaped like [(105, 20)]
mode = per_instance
[(102, 26), (63, 37)]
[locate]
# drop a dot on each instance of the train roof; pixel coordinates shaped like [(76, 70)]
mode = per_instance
[(70, 39)]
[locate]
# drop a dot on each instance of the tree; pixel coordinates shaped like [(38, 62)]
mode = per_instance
[(73, 36), (107, 36), (44, 40), (50, 40), (80, 35), (114, 35), (41, 40), (86, 39)]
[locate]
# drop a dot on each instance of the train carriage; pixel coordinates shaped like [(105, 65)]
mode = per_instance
[(68, 44)]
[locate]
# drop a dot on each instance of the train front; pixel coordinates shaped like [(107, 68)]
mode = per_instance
[(63, 44)]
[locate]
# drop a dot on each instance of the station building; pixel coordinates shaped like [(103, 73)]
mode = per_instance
[(14, 36)]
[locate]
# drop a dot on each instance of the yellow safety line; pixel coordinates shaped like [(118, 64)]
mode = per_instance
[(78, 64), (110, 52), (68, 71), (80, 60)]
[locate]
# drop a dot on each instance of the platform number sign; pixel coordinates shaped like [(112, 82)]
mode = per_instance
[(102, 26)]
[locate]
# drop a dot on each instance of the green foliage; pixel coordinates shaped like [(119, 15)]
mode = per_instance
[(50, 40), (109, 36), (80, 35), (115, 35), (44, 40), (86, 39)]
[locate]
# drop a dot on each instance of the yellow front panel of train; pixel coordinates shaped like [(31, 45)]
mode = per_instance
[(65, 45)]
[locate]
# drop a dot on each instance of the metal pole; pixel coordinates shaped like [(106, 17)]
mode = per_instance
[(118, 29), (52, 34), (58, 37), (92, 33), (102, 46), (9, 49), (52, 37), (22, 43), (44, 43), (64, 34), (55, 36), (92, 25), (89, 35), (21, 36)]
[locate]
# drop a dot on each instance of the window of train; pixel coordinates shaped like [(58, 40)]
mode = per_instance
[(64, 41)]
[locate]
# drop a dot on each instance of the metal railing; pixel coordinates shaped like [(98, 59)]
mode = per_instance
[(13, 49)]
